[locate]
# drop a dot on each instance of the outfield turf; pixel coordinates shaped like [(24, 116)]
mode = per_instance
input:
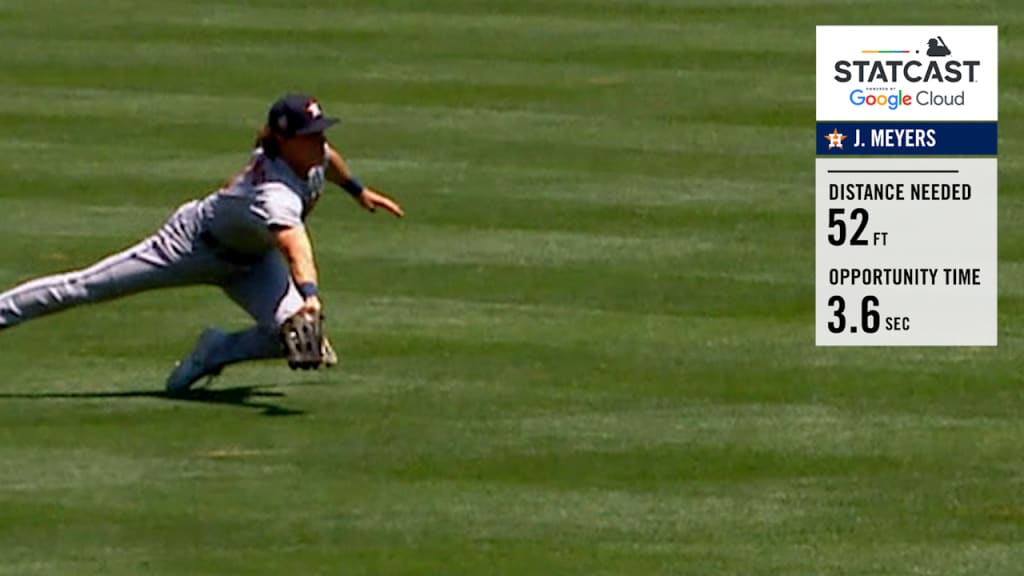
[(589, 349)]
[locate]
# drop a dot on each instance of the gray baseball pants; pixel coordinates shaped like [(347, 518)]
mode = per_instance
[(176, 255)]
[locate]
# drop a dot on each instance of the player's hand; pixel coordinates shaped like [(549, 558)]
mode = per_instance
[(312, 306), (371, 200)]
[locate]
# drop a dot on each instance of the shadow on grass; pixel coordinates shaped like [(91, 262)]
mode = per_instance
[(244, 396)]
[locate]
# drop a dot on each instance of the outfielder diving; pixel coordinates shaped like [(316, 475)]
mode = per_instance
[(234, 238)]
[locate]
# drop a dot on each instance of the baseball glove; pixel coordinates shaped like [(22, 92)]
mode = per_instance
[(303, 338)]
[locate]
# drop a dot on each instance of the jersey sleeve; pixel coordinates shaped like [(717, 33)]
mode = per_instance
[(277, 206)]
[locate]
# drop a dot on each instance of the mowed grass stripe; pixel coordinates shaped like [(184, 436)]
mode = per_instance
[(635, 152), (451, 29), (435, 191), (466, 124), (613, 516), (634, 87)]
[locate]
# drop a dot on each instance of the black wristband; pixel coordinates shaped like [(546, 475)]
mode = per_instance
[(353, 186)]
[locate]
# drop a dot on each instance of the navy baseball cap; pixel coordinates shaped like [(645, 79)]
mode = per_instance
[(298, 114)]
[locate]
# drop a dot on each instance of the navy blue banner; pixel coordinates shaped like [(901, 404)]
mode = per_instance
[(906, 138)]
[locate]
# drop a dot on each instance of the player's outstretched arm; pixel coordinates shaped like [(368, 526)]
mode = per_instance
[(294, 243), (368, 198)]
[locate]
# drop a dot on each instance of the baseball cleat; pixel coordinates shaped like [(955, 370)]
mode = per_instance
[(330, 356), (195, 365)]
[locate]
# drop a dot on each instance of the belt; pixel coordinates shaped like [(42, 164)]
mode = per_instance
[(226, 253)]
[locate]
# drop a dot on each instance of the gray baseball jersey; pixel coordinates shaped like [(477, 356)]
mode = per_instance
[(266, 195), (224, 239)]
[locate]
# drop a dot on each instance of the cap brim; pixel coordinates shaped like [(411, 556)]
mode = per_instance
[(319, 125)]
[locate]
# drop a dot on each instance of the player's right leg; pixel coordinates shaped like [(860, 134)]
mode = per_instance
[(144, 266), (167, 258)]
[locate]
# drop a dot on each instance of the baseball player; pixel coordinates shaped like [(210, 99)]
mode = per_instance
[(248, 238)]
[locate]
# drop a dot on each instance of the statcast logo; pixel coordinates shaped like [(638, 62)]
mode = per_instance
[(891, 71)]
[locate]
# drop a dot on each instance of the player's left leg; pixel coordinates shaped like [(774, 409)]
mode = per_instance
[(265, 290)]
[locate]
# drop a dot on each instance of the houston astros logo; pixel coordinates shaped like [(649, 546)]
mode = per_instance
[(314, 109), (835, 139)]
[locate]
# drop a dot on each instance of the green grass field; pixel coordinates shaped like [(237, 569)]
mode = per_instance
[(589, 349)]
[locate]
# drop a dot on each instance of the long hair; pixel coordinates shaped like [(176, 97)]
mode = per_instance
[(265, 139)]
